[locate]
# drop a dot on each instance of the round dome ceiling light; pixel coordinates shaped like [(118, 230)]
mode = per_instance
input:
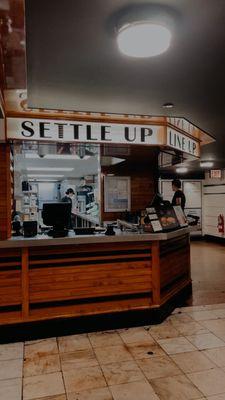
[(143, 39), (168, 105)]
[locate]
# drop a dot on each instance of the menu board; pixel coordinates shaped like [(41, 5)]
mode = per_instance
[(181, 217), (150, 220), (116, 193)]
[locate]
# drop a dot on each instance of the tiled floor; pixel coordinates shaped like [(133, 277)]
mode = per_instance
[(181, 359), (207, 272)]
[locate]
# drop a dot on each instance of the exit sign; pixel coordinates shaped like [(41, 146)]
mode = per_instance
[(216, 173)]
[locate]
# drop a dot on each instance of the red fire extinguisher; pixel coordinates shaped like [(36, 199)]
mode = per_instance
[(220, 224)]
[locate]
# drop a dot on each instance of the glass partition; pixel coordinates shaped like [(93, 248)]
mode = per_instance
[(45, 173)]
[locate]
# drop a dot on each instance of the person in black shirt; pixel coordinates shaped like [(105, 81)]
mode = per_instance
[(68, 199), (178, 197)]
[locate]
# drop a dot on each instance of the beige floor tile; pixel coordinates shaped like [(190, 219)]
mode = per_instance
[(43, 386), (68, 344), (176, 345), (57, 397), (203, 315), (111, 354), (220, 313), (217, 327), (41, 365), (158, 367), (218, 306), (43, 347), (178, 318), (78, 359), (216, 355), (93, 394), (143, 350), (11, 389), (11, 369), (163, 331), (217, 397), (175, 388), (214, 325), (11, 351), (124, 372), (209, 382), (109, 338), (78, 380), (133, 335), (189, 309), (206, 341), (133, 391), (191, 328), (192, 362)]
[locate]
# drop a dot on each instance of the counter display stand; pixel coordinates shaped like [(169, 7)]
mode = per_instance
[(137, 276)]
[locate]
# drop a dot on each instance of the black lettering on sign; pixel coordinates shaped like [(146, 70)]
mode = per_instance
[(145, 132), (128, 136), (104, 132), (28, 131), (194, 146), (89, 133), (60, 129), (44, 128), (76, 131)]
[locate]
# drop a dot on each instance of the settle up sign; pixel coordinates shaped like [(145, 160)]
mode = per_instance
[(46, 130)]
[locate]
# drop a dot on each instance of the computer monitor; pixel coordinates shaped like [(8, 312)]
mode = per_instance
[(157, 200), (57, 215)]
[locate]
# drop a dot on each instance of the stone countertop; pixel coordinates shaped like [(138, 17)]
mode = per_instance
[(44, 240)]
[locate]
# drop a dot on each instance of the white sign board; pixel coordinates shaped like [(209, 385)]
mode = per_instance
[(183, 143), (79, 131)]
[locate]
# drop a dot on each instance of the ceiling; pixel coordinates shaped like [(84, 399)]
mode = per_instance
[(73, 63)]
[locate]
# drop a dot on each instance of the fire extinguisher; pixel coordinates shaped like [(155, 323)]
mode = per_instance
[(220, 224)]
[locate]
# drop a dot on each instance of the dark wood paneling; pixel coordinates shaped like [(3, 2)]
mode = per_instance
[(5, 192)]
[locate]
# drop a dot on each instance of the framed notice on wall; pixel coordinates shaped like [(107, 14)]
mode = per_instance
[(117, 193)]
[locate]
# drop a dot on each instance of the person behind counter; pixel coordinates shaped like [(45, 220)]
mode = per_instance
[(68, 199), (179, 198)]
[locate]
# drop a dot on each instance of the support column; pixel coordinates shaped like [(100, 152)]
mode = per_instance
[(5, 192)]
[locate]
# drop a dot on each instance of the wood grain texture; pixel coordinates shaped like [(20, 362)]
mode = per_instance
[(76, 280)]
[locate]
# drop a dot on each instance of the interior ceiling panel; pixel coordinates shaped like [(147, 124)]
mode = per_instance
[(73, 62)]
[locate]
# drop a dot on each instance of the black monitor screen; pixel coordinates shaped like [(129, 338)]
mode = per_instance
[(157, 200), (56, 214)]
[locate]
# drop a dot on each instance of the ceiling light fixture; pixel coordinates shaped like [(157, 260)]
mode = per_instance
[(143, 39), (206, 164), (168, 105), (44, 176), (51, 169), (181, 170)]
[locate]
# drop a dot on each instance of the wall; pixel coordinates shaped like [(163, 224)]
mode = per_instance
[(5, 192), (143, 178), (213, 205)]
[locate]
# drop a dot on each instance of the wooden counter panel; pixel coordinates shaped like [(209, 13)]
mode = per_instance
[(89, 281), (85, 272), (174, 264), (10, 278), (45, 282), (93, 308), (98, 250)]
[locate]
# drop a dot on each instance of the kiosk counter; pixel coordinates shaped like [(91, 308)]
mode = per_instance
[(49, 278)]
